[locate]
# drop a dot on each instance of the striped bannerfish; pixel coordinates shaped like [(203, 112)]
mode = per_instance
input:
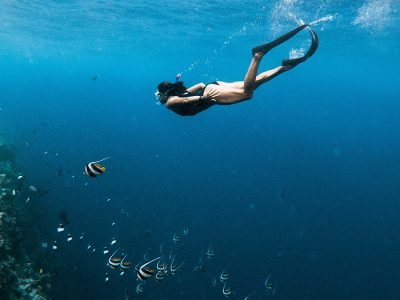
[(176, 238), (224, 276), (174, 267), (268, 283), (210, 252), (163, 250), (185, 231), (139, 288), (159, 276), (199, 268), (125, 265), (172, 254), (93, 168), (114, 262), (161, 266), (226, 291), (146, 272), (214, 281)]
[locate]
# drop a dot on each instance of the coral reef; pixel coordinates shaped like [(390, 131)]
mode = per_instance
[(18, 280)]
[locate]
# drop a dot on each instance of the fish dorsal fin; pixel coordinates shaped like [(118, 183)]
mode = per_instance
[(101, 160), (112, 255), (123, 259), (149, 262)]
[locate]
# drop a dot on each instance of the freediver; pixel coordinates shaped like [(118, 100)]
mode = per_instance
[(190, 101)]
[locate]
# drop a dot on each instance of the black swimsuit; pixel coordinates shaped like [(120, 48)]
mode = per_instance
[(193, 108)]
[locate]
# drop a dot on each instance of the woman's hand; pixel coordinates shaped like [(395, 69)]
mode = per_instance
[(211, 93)]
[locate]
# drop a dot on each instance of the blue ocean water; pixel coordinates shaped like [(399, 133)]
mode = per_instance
[(299, 183)]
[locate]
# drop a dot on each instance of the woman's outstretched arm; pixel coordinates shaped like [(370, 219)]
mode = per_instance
[(176, 101), (196, 87)]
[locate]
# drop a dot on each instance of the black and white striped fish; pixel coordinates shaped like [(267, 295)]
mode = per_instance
[(159, 276), (176, 238), (125, 265), (161, 266), (200, 266), (174, 267), (213, 281), (114, 262), (226, 291), (139, 288), (146, 272), (93, 168), (163, 249), (268, 284), (210, 252), (224, 276)]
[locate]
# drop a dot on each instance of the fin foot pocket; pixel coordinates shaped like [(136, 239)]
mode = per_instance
[(314, 46)]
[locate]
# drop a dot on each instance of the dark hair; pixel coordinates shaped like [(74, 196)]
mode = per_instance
[(171, 89)]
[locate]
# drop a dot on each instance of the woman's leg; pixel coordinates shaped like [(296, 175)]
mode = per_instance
[(230, 93), (235, 84), (249, 84), (268, 75)]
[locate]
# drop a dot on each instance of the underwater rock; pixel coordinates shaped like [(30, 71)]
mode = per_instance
[(18, 280)]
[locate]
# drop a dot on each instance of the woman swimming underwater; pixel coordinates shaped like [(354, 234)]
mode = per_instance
[(190, 101)]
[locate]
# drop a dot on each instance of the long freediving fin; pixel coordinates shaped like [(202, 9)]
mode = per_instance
[(268, 46), (314, 46)]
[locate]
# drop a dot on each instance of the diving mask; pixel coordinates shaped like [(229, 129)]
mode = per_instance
[(159, 97), (157, 94)]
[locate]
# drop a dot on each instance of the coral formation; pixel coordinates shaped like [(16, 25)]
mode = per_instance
[(18, 280)]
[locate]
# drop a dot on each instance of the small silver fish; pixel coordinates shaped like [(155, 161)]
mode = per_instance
[(185, 231), (60, 228)]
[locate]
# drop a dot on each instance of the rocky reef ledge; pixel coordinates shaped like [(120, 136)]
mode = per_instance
[(18, 277)]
